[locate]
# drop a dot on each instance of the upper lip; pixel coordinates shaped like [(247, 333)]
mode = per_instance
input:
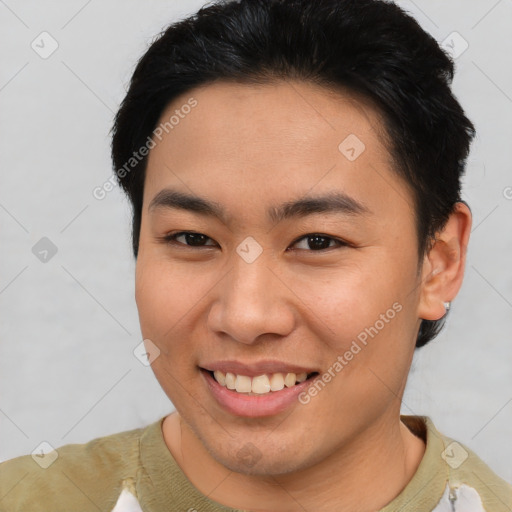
[(256, 368)]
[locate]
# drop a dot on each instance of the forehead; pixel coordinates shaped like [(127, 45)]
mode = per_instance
[(286, 138), (275, 114)]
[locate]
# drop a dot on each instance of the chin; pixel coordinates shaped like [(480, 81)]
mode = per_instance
[(267, 454), (265, 464)]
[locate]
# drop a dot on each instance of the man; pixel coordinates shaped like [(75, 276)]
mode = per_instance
[(294, 169)]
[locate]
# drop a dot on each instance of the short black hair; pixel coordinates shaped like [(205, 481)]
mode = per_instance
[(371, 48)]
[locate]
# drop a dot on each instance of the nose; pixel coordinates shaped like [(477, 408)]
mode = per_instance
[(251, 301)]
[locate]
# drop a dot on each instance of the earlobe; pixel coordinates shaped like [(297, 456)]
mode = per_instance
[(443, 266)]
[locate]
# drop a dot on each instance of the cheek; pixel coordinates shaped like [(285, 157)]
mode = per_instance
[(165, 303), (364, 316), (343, 302), (170, 300), (161, 296)]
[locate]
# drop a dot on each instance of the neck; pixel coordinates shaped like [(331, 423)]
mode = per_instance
[(373, 470)]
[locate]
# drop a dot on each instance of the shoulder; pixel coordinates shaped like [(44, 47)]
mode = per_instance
[(472, 484), (87, 476)]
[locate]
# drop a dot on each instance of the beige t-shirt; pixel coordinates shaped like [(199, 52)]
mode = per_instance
[(134, 471)]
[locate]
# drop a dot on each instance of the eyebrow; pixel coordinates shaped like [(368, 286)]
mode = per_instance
[(332, 203)]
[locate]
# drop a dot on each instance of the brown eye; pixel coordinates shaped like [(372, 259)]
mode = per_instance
[(318, 242), (190, 238)]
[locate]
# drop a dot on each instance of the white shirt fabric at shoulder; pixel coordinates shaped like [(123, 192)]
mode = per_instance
[(127, 502), (460, 499)]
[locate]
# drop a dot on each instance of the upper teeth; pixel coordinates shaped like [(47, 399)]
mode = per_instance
[(260, 384)]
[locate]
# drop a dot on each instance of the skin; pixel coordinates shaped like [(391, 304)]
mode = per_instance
[(249, 147)]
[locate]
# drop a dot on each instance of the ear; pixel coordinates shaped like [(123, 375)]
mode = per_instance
[(443, 266)]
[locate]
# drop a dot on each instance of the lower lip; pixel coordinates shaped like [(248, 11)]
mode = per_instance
[(253, 406)]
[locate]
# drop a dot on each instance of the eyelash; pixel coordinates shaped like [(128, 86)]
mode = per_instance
[(171, 239)]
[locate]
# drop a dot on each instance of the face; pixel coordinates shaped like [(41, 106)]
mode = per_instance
[(277, 244)]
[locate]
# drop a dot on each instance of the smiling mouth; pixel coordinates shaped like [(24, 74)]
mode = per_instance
[(261, 384)]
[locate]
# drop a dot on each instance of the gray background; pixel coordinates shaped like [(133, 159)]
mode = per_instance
[(69, 326)]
